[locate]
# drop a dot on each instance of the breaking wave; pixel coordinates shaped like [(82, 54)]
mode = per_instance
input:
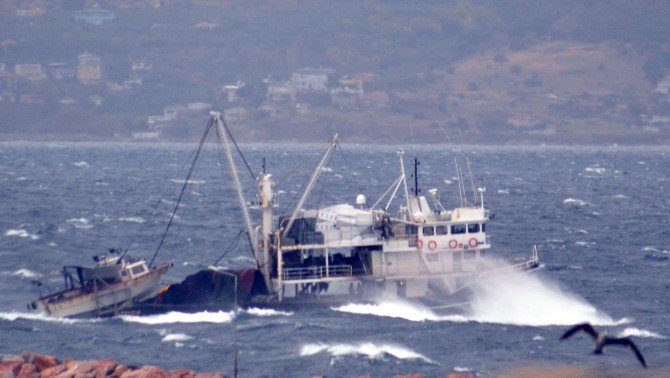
[(266, 312), (81, 164), (176, 337), (12, 316), (506, 298), (368, 349), (398, 309), (181, 317), (139, 220), (575, 202), (21, 234), (640, 333), (81, 223), (25, 273)]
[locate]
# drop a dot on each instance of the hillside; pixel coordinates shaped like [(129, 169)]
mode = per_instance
[(500, 72)]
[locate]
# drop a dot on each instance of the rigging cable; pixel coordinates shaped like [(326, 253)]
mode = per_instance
[(230, 248), (183, 189), (225, 125)]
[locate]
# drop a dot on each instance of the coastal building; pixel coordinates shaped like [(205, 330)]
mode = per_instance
[(94, 16), (311, 79), (89, 70), (33, 11), (30, 71), (61, 71)]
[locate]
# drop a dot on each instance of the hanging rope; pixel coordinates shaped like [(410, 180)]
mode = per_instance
[(233, 245), (183, 189)]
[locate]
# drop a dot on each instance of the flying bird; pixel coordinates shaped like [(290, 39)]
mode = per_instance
[(602, 339)]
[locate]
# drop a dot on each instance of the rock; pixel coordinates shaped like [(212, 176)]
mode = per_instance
[(45, 362), (182, 373), (9, 369), (146, 371), (119, 370), (53, 371), (28, 370), (70, 371), (104, 368)]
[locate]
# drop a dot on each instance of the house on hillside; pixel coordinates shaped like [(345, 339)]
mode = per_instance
[(663, 86), (311, 79), (94, 16), (30, 71), (89, 70), (61, 71), (33, 11)]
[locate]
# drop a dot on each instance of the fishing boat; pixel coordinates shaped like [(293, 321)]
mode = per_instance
[(113, 284), (344, 252)]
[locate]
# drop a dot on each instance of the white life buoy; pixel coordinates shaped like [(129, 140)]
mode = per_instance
[(419, 243), (432, 245), (473, 243), (453, 243)]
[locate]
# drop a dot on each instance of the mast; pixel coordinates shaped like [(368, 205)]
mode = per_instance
[(401, 153), (416, 176), (222, 132), (312, 181)]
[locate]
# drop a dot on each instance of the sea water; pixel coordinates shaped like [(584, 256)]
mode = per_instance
[(599, 217)]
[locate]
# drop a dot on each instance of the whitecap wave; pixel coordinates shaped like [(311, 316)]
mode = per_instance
[(503, 191), (81, 164), (640, 333), (398, 309), (26, 273), (598, 170), (575, 202), (176, 337), (266, 312), (370, 350), (21, 234), (139, 220), (190, 182), (621, 196), (181, 317), (81, 223), (12, 316)]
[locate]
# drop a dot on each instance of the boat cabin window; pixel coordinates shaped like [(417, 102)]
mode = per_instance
[(411, 229), (483, 227), (469, 255), (138, 269), (473, 228), (428, 231), (441, 230), (457, 228)]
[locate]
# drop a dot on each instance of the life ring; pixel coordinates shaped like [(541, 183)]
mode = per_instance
[(432, 245), (419, 243), (473, 242), (453, 243)]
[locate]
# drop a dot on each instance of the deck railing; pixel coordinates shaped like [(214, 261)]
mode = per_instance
[(312, 272)]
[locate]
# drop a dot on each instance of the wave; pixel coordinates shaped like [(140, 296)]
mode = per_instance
[(21, 234), (81, 223), (598, 170), (176, 337), (132, 219), (398, 309), (12, 316), (181, 317), (266, 312), (190, 182), (25, 273), (575, 202), (640, 333), (514, 298), (368, 349), (81, 164)]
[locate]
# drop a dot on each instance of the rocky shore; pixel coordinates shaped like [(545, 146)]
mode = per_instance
[(32, 365)]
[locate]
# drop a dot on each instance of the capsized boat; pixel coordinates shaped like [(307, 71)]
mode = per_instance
[(113, 284), (341, 252)]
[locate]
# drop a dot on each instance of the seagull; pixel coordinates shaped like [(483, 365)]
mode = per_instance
[(603, 339)]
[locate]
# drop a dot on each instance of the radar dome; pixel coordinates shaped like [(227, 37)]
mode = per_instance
[(360, 200)]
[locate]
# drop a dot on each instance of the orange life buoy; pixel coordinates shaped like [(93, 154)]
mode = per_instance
[(432, 244), (473, 242), (419, 243), (453, 243)]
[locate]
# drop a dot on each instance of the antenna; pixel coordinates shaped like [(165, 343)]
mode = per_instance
[(263, 165), (416, 176)]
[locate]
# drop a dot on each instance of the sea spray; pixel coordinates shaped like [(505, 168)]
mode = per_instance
[(513, 297)]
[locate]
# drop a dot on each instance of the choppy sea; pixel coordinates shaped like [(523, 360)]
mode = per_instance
[(598, 215)]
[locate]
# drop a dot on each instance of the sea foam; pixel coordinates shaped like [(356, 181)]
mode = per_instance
[(181, 317), (370, 350)]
